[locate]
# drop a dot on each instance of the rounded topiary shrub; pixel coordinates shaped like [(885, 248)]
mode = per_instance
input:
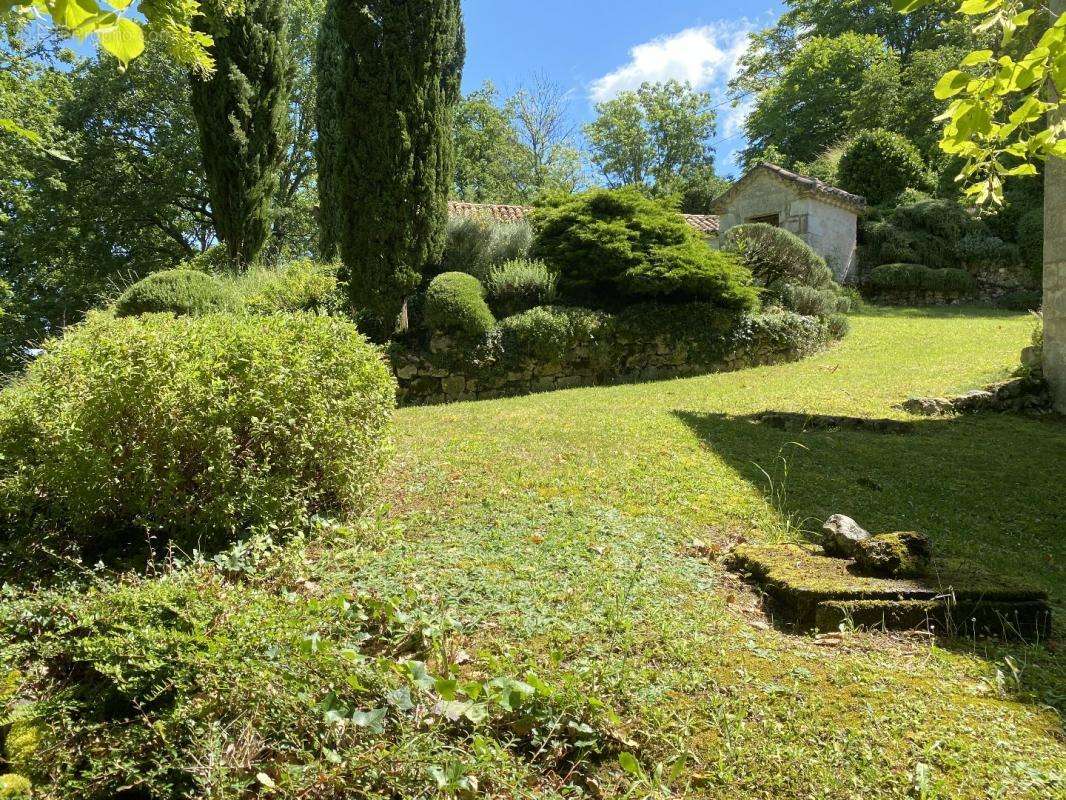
[(775, 255), (199, 429), (184, 292), (879, 164), (454, 303), (519, 285), (612, 247)]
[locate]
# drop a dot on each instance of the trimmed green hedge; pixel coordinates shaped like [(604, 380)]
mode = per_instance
[(889, 278), (200, 429), (547, 334), (183, 292), (455, 303)]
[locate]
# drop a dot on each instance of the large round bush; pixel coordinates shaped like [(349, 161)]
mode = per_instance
[(775, 255), (194, 428), (613, 246), (879, 164), (184, 292), (455, 304)]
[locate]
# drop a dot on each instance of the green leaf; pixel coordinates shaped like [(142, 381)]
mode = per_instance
[(975, 8), (976, 57), (629, 763), (124, 40), (951, 84), (25, 133), (371, 720)]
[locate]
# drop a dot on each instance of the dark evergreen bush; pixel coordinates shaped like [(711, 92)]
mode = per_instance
[(183, 292), (890, 278), (389, 78), (1021, 301), (455, 303), (201, 429), (878, 164), (242, 111), (1031, 240), (517, 286), (613, 246)]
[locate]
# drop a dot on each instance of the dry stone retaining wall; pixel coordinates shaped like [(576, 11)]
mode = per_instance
[(438, 376)]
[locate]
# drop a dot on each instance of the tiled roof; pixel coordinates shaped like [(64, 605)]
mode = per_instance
[(806, 184), (701, 222)]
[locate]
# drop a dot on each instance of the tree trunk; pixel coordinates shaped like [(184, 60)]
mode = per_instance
[(1055, 271)]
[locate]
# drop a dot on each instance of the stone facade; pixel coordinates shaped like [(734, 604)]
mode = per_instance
[(1055, 271), (825, 218), (424, 378)]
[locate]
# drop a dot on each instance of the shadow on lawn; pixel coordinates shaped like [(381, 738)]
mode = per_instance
[(987, 487)]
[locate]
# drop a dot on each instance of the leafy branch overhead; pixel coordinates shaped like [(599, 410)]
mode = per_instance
[(1001, 100), (123, 36)]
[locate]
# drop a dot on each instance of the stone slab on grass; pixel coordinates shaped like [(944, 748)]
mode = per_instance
[(814, 591)]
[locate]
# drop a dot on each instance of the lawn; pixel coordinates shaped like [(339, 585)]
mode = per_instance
[(580, 532), (578, 537)]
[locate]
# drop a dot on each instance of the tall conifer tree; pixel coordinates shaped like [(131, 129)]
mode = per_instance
[(242, 112), (389, 81)]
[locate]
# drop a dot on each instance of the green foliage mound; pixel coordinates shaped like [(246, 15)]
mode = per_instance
[(183, 292), (455, 304), (198, 429), (302, 285), (476, 246), (775, 255), (812, 302), (879, 164), (1031, 240), (613, 246), (892, 278), (929, 232), (546, 334), (519, 285)]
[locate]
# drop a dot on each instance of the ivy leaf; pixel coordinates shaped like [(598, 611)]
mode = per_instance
[(124, 40), (371, 720), (951, 84)]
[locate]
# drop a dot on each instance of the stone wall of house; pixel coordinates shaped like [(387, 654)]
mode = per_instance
[(438, 376), (1055, 271), (830, 230)]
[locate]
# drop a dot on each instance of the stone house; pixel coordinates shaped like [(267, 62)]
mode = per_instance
[(822, 215)]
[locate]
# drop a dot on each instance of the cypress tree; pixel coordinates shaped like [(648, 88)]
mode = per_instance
[(242, 111), (389, 74)]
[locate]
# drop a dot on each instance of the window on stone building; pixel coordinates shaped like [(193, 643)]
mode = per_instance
[(769, 219)]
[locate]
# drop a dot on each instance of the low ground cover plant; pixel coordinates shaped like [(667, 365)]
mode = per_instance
[(197, 429)]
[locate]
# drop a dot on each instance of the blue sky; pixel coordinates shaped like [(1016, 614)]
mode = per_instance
[(596, 48)]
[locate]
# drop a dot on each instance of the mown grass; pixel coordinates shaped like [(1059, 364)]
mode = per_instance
[(565, 524), (577, 537)]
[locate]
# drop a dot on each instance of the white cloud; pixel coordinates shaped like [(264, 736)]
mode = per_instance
[(705, 57)]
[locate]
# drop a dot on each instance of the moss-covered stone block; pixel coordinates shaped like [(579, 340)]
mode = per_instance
[(813, 591), (902, 555)]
